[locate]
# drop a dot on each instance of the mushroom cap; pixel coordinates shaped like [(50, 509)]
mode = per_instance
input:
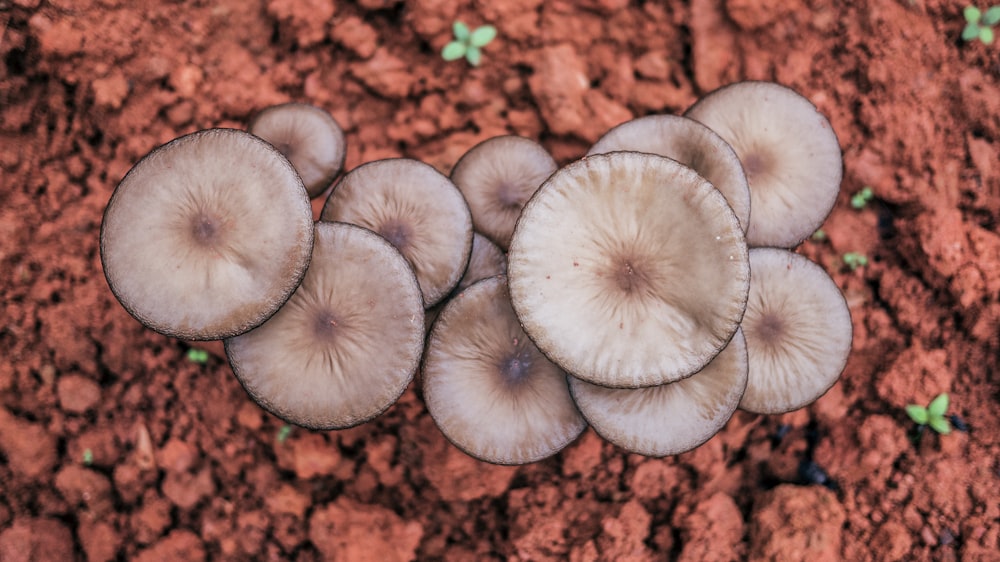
[(789, 152), (497, 177), (490, 391), (309, 137), (207, 235), (628, 270), (418, 210), (486, 261), (671, 418), (798, 331), (690, 143), (348, 342)]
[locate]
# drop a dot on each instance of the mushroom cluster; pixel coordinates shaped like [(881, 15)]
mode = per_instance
[(648, 289)]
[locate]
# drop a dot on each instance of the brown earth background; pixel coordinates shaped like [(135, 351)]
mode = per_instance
[(184, 466)]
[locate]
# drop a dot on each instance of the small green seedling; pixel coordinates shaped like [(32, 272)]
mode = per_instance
[(979, 24), (467, 43), (284, 432), (860, 199), (855, 260), (88, 457), (199, 356), (819, 236), (932, 415)]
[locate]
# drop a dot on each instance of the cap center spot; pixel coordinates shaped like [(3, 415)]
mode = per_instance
[(397, 233), (770, 328), (509, 196), (326, 325), (516, 366), (756, 164), (205, 229), (630, 276)]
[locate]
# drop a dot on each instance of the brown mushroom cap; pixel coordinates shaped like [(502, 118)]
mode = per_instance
[(789, 152), (798, 331), (671, 418), (309, 137), (628, 270), (348, 342), (497, 177), (690, 143), (207, 235), (418, 210), (488, 388)]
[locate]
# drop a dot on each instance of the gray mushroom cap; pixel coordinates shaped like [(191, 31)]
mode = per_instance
[(497, 177), (347, 343), (798, 329), (309, 137), (690, 143), (489, 389), (207, 235), (671, 418), (628, 270), (418, 210), (789, 152)]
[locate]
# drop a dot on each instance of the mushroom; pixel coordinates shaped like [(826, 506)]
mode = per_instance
[(490, 391), (207, 235), (348, 342), (671, 418), (497, 177), (418, 210), (628, 270), (690, 143), (487, 260), (309, 137), (798, 331), (789, 152)]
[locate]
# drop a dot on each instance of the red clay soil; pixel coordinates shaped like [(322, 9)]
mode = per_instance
[(114, 446)]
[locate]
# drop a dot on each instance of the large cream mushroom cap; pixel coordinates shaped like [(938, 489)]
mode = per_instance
[(207, 235), (629, 270)]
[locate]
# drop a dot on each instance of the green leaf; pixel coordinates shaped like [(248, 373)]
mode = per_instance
[(461, 31), (938, 406), (199, 356), (482, 36), (986, 35), (992, 16), (970, 32), (473, 55), (284, 432), (867, 193), (972, 14), (453, 51), (940, 425), (917, 413)]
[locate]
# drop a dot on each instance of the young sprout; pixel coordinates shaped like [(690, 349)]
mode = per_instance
[(932, 415), (284, 433), (819, 236), (855, 260), (979, 24), (88, 457), (199, 356), (467, 43), (860, 199)]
